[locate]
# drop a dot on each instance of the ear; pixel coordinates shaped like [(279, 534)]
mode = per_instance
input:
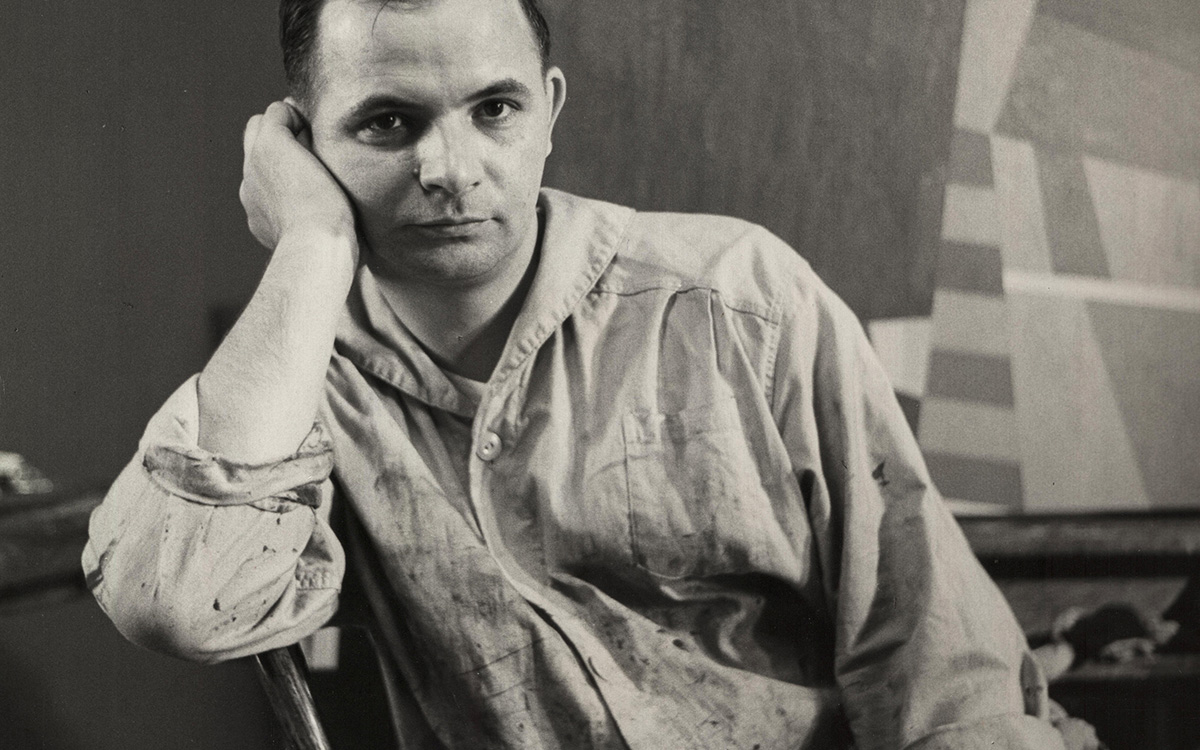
[(295, 104), (304, 135), (556, 87)]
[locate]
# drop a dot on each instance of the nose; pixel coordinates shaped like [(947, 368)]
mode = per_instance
[(446, 160)]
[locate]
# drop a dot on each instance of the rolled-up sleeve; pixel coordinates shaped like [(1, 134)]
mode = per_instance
[(928, 654), (207, 559)]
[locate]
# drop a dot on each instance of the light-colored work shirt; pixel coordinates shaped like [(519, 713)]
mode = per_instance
[(685, 512)]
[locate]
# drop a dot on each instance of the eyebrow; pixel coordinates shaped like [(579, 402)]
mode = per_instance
[(506, 86), (503, 87)]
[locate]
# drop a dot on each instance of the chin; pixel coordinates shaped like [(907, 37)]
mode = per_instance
[(446, 265)]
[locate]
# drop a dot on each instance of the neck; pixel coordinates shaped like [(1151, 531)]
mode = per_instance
[(464, 328)]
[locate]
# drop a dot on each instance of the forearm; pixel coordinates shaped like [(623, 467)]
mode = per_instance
[(260, 392), (210, 544)]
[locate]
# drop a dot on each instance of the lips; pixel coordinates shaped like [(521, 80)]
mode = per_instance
[(459, 227), (455, 221)]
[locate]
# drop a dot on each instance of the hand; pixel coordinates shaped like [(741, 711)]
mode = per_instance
[(285, 187)]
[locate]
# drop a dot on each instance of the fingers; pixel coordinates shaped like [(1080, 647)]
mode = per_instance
[(286, 115), (305, 138), (304, 131), (291, 102), (249, 136), (279, 114), (283, 114)]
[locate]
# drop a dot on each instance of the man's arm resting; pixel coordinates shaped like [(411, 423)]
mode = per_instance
[(928, 654), (209, 545), (259, 394), (210, 560)]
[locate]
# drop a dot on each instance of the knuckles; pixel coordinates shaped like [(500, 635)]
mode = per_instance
[(280, 176)]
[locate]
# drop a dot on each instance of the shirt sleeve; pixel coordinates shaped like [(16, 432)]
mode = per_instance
[(928, 653), (207, 559)]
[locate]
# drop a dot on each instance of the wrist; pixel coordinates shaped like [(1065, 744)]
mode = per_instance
[(321, 248), (320, 229)]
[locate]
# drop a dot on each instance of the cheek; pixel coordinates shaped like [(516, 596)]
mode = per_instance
[(373, 180), (525, 160)]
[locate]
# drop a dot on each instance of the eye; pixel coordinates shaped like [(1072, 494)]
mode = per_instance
[(496, 109), (385, 123)]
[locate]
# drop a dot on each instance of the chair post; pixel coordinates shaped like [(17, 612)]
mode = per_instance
[(284, 677)]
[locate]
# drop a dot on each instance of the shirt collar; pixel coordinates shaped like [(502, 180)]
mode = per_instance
[(579, 239)]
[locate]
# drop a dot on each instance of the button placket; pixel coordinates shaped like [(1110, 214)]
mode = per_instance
[(490, 446)]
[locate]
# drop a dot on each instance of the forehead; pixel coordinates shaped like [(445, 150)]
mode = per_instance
[(431, 44)]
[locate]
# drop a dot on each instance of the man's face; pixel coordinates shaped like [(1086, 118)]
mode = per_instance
[(436, 118)]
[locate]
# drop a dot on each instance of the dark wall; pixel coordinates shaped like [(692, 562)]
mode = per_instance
[(826, 121), (119, 220), (120, 156), (69, 682)]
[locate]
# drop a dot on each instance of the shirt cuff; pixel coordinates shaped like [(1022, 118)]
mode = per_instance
[(195, 474), (1010, 732)]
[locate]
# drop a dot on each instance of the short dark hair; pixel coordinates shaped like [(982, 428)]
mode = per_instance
[(298, 37)]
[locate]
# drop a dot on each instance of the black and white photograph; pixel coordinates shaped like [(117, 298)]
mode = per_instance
[(578, 375)]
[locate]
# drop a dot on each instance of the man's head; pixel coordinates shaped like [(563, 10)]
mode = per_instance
[(435, 116), (298, 36)]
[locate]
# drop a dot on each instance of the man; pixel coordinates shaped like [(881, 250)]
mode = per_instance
[(605, 479)]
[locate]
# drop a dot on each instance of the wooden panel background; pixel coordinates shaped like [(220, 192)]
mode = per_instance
[(827, 121)]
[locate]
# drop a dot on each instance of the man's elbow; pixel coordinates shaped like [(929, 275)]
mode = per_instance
[(208, 629), (171, 624)]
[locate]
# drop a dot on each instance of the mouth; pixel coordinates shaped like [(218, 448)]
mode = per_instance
[(456, 226), (450, 221)]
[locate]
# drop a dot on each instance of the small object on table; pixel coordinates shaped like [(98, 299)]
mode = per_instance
[(19, 477)]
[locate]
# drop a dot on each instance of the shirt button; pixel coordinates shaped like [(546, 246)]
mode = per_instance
[(490, 447)]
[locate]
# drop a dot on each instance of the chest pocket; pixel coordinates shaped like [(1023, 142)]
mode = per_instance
[(696, 504)]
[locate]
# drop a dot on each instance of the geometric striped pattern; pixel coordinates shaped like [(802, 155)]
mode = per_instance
[(987, 484), (975, 378), (1076, 90), (1106, 353), (970, 322), (1063, 346), (1074, 234), (971, 159), (968, 426), (975, 269)]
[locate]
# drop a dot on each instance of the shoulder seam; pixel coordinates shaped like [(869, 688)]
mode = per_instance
[(768, 314), (773, 353)]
